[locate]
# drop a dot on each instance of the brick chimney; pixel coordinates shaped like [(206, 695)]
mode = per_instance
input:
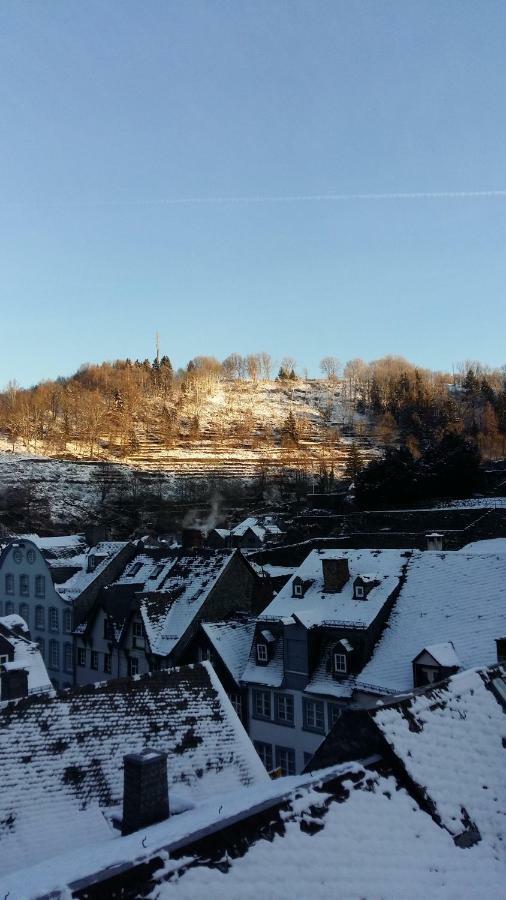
[(145, 792), (335, 574), (192, 538), (14, 684)]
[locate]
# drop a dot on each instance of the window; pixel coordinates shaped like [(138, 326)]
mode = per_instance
[(284, 708), (334, 713), (94, 659), (285, 760), (262, 704), (67, 621), (133, 665), (108, 630), (359, 591), (24, 588), (262, 653), (53, 619), (137, 629), (24, 612), (9, 608), (68, 662), (314, 717), (135, 568), (107, 663), (81, 656), (54, 654), (265, 753), (156, 571), (40, 586), (297, 590), (30, 555), (9, 583), (236, 701), (17, 556), (40, 618), (340, 663)]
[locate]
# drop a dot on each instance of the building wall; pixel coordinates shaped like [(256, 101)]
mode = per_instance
[(303, 742), (22, 559), (132, 647)]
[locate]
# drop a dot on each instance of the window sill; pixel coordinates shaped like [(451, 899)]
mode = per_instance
[(313, 730), (283, 723), (261, 718)]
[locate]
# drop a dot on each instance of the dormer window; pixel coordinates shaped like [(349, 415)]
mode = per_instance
[(340, 663), (359, 592), (297, 590), (92, 563), (262, 653)]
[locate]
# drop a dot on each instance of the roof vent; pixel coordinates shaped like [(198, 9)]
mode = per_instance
[(145, 793)]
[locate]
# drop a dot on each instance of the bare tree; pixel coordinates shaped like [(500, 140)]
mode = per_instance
[(330, 366)]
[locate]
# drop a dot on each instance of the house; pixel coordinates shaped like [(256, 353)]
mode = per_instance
[(450, 614), (254, 532), (147, 617), (22, 669), (421, 817), (62, 756), (309, 645), (226, 644), (49, 596)]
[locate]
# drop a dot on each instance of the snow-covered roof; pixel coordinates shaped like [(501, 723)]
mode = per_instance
[(61, 756), (181, 594), (271, 674), (493, 545), (232, 642), (452, 742), (26, 653), (261, 528), (104, 552), (444, 654), (458, 597), (317, 607), (59, 547)]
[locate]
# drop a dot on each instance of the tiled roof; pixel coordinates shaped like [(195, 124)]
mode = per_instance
[(452, 742), (61, 756), (317, 606), (232, 642), (169, 612), (456, 596)]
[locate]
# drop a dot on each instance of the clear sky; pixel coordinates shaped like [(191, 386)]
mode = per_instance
[(110, 107)]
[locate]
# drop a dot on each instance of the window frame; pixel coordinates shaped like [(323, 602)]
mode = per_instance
[(332, 718), (25, 607), (94, 660), (290, 751), (9, 607), (313, 726), (40, 586), (54, 653), (265, 695), (67, 619), (68, 657), (286, 700), (81, 657), (338, 654), (53, 626), (131, 661), (24, 584), (262, 653), (265, 753), (10, 585), (107, 664)]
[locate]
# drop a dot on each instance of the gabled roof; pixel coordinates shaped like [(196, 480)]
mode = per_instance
[(231, 641), (443, 654), (26, 653), (168, 613), (317, 607), (61, 756), (61, 547), (105, 551), (456, 596), (261, 528)]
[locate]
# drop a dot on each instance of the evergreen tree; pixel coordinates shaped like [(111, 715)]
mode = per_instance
[(354, 463)]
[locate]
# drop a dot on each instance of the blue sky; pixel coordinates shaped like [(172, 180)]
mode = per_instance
[(108, 108)]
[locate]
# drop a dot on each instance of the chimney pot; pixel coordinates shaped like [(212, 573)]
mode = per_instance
[(335, 574), (145, 793)]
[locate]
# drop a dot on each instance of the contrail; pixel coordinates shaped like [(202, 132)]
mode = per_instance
[(262, 198)]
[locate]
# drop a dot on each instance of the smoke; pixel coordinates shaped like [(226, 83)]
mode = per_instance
[(193, 518)]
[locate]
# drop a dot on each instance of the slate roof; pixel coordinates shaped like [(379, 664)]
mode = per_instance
[(232, 642), (317, 607), (451, 740), (61, 756), (26, 653), (168, 613), (456, 596)]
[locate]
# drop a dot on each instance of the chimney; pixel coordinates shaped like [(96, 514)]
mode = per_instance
[(145, 792), (14, 684), (335, 574), (434, 541), (192, 538)]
